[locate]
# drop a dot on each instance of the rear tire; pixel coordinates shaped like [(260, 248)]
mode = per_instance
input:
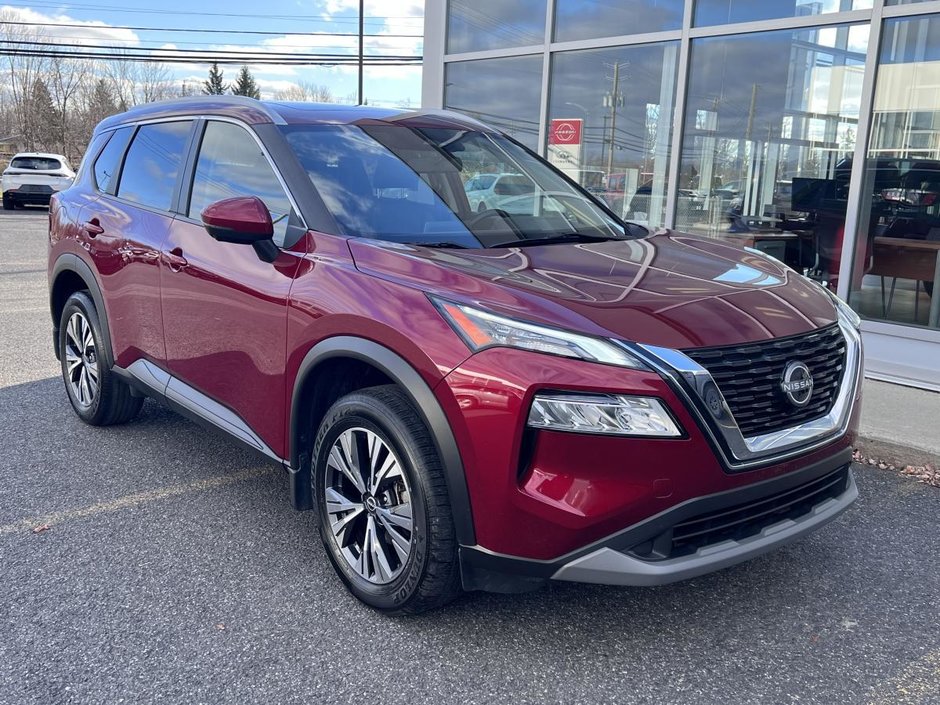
[(99, 397), (384, 513)]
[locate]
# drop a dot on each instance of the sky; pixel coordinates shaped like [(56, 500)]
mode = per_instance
[(384, 85)]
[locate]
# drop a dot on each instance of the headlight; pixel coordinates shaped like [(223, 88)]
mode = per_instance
[(482, 329), (619, 415), (846, 313)]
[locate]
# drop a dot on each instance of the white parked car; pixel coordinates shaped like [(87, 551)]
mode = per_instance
[(497, 191), (32, 178)]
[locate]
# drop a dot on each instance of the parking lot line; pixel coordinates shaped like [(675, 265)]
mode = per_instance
[(917, 684), (50, 520)]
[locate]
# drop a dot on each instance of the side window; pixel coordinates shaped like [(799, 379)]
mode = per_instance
[(153, 163), (109, 161), (232, 164)]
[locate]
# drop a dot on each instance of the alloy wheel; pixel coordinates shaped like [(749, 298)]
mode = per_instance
[(81, 360), (368, 502)]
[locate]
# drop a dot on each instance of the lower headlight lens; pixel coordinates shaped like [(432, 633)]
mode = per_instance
[(618, 415)]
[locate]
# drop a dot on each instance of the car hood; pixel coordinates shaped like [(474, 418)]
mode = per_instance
[(669, 289)]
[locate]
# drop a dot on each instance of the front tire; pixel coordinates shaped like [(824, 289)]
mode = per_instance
[(384, 514), (98, 396), (8, 204)]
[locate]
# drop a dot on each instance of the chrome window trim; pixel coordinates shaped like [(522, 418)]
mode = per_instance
[(207, 118), (691, 381)]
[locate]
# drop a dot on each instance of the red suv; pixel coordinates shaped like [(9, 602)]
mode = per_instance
[(468, 400)]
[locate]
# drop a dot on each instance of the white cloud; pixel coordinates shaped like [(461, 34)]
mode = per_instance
[(90, 32)]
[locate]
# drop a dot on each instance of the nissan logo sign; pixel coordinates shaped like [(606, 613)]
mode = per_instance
[(797, 383)]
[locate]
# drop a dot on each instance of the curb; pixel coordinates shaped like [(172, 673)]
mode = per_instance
[(895, 454)]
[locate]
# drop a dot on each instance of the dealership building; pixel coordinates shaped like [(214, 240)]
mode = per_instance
[(809, 129)]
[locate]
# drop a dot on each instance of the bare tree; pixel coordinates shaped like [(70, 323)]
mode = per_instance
[(66, 76), (152, 81), (306, 92), (24, 71), (120, 76)]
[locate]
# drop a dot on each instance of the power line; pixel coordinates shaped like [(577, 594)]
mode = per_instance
[(161, 52), (212, 31), (111, 8), (260, 60), (157, 44)]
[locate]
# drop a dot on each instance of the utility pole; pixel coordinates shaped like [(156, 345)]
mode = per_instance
[(362, 8), (749, 151), (750, 114), (613, 100)]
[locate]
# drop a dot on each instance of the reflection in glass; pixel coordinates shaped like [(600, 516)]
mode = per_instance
[(503, 93), (769, 132), (443, 187), (232, 164), (712, 12), (587, 19), (475, 25), (897, 260), (610, 119), (153, 163)]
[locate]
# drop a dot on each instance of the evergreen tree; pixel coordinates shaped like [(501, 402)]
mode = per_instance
[(215, 85), (102, 102), (43, 115), (245, 85)]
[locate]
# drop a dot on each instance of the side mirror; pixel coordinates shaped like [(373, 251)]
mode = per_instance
[(243, 220)]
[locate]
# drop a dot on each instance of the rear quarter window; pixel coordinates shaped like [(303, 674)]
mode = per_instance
[(108, 162)]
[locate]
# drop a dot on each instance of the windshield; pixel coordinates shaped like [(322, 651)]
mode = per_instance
[(443, 187)]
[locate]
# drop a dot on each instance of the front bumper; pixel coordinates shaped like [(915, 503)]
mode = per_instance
[(551, 504), (691, 539)]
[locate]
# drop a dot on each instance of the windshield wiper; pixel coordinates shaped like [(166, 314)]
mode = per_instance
[(567, 237), (442, 244)]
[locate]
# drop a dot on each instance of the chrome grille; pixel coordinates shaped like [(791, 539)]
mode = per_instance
[(749, 376)]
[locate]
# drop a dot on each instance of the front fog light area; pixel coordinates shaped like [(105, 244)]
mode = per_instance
[(617, 415)]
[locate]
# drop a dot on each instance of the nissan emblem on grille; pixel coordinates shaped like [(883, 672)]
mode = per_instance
[(797, 383)]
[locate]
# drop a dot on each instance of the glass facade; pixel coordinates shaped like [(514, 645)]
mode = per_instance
[(717, 12), (585, 19), (769, 131), (809, 129), (501, 92), (896, 268), (475, 25), (624, 100)]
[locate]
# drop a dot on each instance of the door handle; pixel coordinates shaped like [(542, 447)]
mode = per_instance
[(174, 259), (92, 227)]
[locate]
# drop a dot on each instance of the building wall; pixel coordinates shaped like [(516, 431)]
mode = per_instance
[(809, 129)]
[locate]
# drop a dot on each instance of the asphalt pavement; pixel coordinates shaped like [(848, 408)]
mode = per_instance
[(173, 570)]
